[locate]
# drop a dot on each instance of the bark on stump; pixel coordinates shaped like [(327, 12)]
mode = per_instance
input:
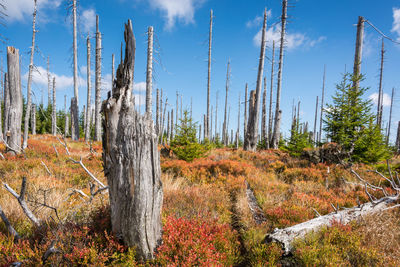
[(132, 162), (14, 112)]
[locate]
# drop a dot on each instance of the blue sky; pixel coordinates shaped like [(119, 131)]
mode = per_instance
[(319, 32)]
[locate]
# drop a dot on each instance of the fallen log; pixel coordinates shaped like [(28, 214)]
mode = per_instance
[(286, 236)]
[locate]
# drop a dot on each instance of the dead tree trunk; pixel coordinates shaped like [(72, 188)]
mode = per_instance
[(158, 112), (285, 236), (207, 130), (48, 82), (89, 91), (74, 119), (28, 90), (54, 110), (172, 124), (75, 110), (133, 177), (315, 121), (250, 141), (322, 107), (270, 115), (6, 104), (238, 126), (97, 127), (390, 117), (13, 133), (358, 53), (66, 117), (112, 70), (216, 115), (33, 119), (397, 148), (277, 124), (380, 94), (149, 75), (224, 128), (245, 110), (264, 113)]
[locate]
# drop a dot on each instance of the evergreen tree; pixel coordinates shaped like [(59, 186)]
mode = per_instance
[(348, 122), (298, 141), (185, 144)]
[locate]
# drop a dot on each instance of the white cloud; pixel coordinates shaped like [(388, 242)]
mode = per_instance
[(386, 99), (258, 20), (140, 100), (292, 40), (396, 22), (18, 10), (140, 86), (176, 10), (88, 20), (62, 81)]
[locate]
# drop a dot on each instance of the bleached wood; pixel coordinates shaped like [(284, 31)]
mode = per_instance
[(131, 163)]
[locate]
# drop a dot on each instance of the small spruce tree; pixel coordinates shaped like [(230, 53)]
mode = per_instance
[(348, 122), (185, 144)]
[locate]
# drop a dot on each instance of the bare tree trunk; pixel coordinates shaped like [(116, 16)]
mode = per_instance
[(250, 141), (33, 119), (149, 74), (134, 182), (181, 107), (163, 120), (398, 139), (216, 115), (199, 133), (390, 117), (89, 90), (211, 122), (168, 127), (28, 92), (270, 115), (380, 95), (227, 127), (315, 122), (13, 133), (84, 117), (158, 112), (54, 110), (74, 119), (97, 133), (207, 130), (177, 105), (172, 124), (75, 110), (238, 126), (245, 110), (358, 52), (112, 70), (6, 104), (66, 133), (322, 107), (264, 136), (224, 127), (49, 101), (277, 125)]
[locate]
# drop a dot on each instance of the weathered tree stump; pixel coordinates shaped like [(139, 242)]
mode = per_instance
[(132, 162), (14, 112)]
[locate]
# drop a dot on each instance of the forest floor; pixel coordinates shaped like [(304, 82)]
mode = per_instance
[(207, 219)]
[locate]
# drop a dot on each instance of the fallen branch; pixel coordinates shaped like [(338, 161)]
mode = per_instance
[(88, 172), (10, 228), (22, 202), (2, 157), (47, 169), (64, 144), (55, 149), (258, 214), (50, 250), (286, 236)]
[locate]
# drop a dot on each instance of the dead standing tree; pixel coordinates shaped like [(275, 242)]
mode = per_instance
[(149, 73), (278, 112), (97, 117), (75, 109), (132, 162), (14, 108), (207, 129), (89, 92), (250, 141), (28, 93), (54, 110), (225, 126)]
